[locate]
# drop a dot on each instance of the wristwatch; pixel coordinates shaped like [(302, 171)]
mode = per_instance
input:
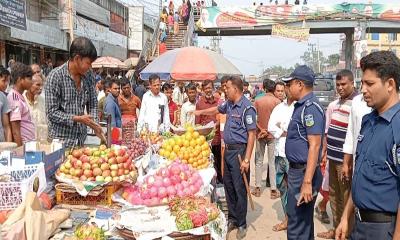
[(246, 160)]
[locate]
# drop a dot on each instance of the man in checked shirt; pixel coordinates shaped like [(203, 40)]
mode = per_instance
[(71, 101)]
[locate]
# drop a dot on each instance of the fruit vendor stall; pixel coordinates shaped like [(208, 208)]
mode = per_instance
[(146, 187)]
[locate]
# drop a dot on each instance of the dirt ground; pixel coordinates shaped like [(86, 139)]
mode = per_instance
[(269, 212)]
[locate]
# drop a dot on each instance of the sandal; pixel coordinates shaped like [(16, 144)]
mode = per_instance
[(322, 216), (280, 227), (256, 192), (275, 194), (327, 235)]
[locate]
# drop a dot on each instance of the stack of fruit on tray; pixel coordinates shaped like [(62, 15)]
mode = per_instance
[(191, 148), (136, 148), (98, 164), (178, 179), (192, 212), (153, 138)]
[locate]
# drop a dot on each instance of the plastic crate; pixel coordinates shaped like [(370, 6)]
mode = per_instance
[(13, 192), (65, 194)]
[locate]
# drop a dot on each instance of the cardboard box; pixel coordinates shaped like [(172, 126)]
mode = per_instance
[(52, 156)]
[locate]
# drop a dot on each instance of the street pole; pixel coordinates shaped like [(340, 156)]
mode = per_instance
[(319, 63), (71, 20)]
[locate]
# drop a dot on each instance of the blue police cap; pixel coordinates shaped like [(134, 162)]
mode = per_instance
[(303, 73)]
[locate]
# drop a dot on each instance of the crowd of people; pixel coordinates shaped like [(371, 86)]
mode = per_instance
[(350, 152)]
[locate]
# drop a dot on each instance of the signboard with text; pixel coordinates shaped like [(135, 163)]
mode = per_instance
[(13, 13)]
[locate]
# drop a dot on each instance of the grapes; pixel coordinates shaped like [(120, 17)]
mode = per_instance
[(137, 147)]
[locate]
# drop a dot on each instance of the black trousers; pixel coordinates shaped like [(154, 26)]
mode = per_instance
[(235, 190), (216, 150)]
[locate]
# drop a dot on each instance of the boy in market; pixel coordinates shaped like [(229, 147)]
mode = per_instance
[(22, 126)]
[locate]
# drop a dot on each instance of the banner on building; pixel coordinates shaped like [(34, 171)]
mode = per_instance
[(13, 13), (135, 30), (300, 34), (360, 50), (264, 15)]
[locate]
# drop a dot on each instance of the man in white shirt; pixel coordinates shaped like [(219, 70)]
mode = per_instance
[(178, 96), (189, 106), (277, 126), (359, 108), (154, 112)]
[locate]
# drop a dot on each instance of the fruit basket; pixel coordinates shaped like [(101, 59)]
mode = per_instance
[(100, 195)]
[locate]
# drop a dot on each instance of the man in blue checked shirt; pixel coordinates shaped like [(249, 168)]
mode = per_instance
[(71, 101)]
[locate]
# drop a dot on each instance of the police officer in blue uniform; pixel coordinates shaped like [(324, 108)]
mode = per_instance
[(303, 151), (374, 199), (239, 137)]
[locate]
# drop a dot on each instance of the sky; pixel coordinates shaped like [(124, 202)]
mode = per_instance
[(252, 54)]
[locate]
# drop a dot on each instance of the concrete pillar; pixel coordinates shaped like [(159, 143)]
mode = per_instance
[(349, 49)]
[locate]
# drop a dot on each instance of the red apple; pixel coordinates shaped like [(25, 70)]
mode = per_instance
[(86, 166), (102, 160), (95, 165), (126, 157), (121, 152), (77, 153), (97, 172), (78, 172), (110, 154), (120, 165), (122, 178), (87, 151), (114, 167), (105, 166), (108, 179), (115, 179), (120, 159), (126, 171), (120, 172), (84, 158), (91, 179), (83, 178), (106, 173), (112, 160), (72, 171), (77, 164), (88, 173), (126, 165), (114, 173)]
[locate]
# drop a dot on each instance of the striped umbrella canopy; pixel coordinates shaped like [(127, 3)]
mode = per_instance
[(190, 64)]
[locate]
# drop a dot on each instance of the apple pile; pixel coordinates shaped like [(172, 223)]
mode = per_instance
[(98, 164), (137, 147), (178, 179)]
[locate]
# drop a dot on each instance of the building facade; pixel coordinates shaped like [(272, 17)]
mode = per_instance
[(38, 31), (383, 41)]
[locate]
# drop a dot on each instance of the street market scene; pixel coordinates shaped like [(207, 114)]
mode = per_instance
[(199, 120)]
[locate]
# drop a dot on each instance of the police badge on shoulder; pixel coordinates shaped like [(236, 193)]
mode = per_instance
[(309, 119)]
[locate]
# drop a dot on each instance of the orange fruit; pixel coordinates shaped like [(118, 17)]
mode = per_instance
[(186, 156), (203, 139), (186, 143), (167, 153), (191, 160), (190, 129), (195, 164), (205, 146), (193, 143), (176, 149), (196, 134)]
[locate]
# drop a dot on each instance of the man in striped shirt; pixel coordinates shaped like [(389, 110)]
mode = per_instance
[(337, 120)]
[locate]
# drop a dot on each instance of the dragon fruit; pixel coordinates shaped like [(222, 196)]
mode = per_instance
[(199, 218)]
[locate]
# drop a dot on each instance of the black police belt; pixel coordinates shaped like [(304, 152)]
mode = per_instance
[(374, 217), (297, 165), (235, 146)]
